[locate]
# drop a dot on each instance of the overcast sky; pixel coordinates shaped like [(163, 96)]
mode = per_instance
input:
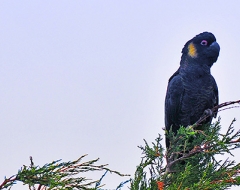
[(89, 76)]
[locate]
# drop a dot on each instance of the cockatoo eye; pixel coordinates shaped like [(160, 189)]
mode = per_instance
[(204, 42)]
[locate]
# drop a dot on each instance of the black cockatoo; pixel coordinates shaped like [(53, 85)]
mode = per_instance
[(192, 89)]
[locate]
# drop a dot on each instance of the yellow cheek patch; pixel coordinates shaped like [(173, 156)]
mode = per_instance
[(192, 52)]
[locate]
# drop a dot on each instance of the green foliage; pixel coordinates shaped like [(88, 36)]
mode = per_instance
[(58, 175), (191, 161), (189, 164)]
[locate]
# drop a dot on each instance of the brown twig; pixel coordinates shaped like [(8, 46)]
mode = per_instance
[(195, 150), (11, 179), (215, 109)]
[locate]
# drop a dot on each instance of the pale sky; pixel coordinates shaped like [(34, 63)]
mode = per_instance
[(90, 76)]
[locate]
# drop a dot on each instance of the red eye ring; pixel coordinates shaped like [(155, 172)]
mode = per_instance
[(204, 42)]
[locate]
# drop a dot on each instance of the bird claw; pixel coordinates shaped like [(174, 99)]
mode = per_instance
[(208, 113)]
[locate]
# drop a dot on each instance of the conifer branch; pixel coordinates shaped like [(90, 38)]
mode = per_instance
[(191, 158), (58, 175)]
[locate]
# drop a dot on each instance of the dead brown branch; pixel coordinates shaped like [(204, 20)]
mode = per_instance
[(215, 110)]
